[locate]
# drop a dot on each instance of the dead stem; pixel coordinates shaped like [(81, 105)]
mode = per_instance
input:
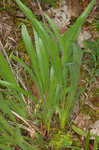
[(27, 122)]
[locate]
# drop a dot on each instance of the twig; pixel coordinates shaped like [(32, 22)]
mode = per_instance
[(41, 11), (21, 118), (22, 127), (27, 122)]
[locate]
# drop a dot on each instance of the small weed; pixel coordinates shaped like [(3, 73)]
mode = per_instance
[(92, 54)]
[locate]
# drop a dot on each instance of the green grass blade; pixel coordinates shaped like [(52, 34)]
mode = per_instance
[(18, 89), (75, 66), (72, 34), (43, 60), (4, 107), (79, 131), (10, 135), (47, 41), (96, 143), (36, 24), (5, 71), (4, 123), (25, 9), (29, 47), (74, 70), (44, 69), (56, 32), (32, 75), (24, 66), (52, 86), (86, 145), (55, 50), (77, 53), (3, 147)]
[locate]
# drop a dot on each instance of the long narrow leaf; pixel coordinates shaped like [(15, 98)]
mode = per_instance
[(87, 141), (72, 34), (32, 75), (18, 89), (96, 143), (5, 71), (43, 60)]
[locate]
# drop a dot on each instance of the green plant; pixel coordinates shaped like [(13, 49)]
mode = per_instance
[(92, 53), (96, 142), (55, 69), (10, 128), (96, 23), (52, 78), (52, 2), (87, 138)]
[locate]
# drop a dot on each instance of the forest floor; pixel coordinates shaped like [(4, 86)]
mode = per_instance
[(86, 112)]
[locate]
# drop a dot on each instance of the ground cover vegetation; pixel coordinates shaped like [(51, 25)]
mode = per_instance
[(28, 122)]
